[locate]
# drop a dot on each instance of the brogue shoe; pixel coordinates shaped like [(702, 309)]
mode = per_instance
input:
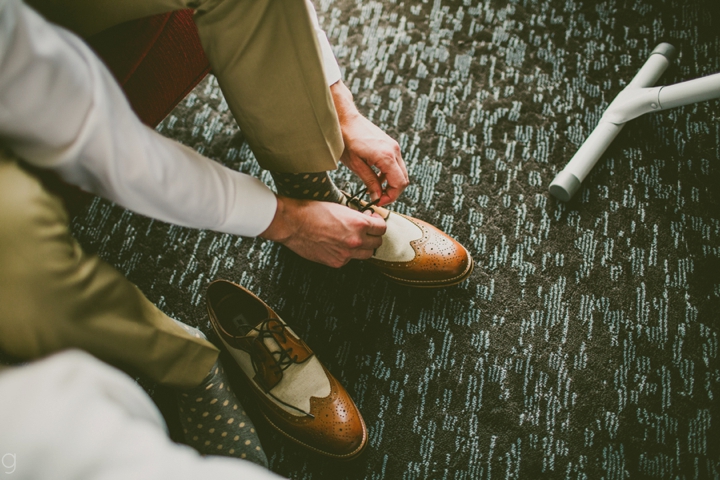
[(415, 253), (295, 392)]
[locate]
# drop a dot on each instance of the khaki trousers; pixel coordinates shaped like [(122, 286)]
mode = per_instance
[(53, 296), (267, 60)]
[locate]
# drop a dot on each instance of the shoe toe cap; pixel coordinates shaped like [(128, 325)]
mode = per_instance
[(439, 260), (340, 429), (441, 257), (337, 429)]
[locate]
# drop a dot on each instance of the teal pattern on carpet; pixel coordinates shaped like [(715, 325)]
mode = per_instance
[(585, 344)]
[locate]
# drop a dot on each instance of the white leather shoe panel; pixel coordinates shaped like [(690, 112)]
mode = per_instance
[(396, 241), (299, 382)]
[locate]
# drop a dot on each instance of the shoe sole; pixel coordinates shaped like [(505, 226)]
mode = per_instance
[(349, 456), (435, 283)]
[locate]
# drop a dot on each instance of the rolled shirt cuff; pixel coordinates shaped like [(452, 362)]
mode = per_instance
[(253, 209)]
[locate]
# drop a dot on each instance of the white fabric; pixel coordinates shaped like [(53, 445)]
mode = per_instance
[(396, 241), (73, 417), (61, 109)]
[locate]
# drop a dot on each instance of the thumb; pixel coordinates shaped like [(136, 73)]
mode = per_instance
[(377, 225)]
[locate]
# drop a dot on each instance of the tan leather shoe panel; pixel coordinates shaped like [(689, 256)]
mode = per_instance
[(337, 429), (439, 260), (295, 391)]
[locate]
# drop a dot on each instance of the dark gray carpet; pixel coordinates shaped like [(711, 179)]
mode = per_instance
[(585, 344)]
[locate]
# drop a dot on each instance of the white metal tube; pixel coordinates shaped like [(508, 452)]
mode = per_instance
[(650, 72), (568, 181), (692, 91)]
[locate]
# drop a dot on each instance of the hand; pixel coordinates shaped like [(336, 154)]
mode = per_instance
[(367, 146), (325, 232)]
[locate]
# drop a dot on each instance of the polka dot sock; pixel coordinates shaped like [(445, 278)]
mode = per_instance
[(308, 186), (213, 420), (215, 423)]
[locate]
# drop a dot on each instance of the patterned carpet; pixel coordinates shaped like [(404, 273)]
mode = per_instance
[(585, 344)]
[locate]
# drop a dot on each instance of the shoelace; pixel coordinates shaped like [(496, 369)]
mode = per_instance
[(283, 356), (356, 198)]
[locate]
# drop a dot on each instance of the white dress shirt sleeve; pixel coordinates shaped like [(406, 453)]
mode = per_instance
[(61, 109), (72, 417), (330, 65)]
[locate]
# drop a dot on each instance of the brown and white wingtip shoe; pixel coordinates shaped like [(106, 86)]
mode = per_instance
[(295, 392), (414, 253)]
